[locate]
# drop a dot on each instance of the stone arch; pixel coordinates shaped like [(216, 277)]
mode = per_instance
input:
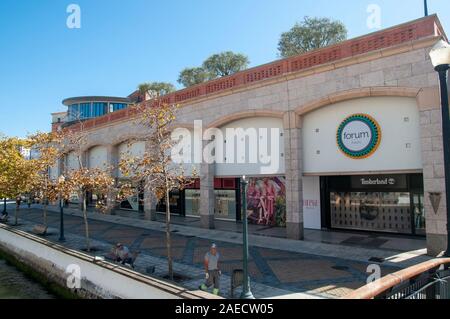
[(356, 94), (243, 115)]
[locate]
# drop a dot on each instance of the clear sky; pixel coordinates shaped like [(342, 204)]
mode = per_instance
[(123, 43)]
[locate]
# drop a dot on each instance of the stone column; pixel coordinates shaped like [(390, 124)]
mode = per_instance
[(207, 195), (435, 204), (294, 173), (150, 202)]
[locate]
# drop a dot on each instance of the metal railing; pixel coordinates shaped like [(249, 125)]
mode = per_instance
[(427, 286), (429, 280)]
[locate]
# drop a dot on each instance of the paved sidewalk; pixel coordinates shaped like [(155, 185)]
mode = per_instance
[(278, 267), (393, 257)]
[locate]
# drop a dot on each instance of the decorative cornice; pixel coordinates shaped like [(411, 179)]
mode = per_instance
[(398, 39)]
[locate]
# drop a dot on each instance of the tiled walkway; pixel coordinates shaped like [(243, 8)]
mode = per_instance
[(278, 267)]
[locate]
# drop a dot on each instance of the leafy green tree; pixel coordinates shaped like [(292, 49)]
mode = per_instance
[(217, 65), (311, 34), (192, 76), (226, 63), (17, 174), (161, 88)]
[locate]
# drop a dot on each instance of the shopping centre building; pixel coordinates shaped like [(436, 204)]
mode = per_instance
[(358, 138)]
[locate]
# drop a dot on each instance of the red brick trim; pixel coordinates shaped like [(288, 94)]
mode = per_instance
[(405, 33)]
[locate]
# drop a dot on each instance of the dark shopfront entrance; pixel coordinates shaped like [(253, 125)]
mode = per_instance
[(378, 203), (187, 202)]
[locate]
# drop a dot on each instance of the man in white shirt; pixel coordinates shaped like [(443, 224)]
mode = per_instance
[(212, 270)]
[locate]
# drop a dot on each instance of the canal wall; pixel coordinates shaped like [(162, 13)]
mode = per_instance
[(97, 279)]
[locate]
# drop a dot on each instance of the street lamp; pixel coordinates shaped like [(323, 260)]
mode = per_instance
[(61, 181), (4, 206), (440, 58), (246, 291)]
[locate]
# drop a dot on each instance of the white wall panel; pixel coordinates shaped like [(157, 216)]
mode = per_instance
[(400, 147)]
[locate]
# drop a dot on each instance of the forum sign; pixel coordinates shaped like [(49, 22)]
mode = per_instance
[(359, 136)]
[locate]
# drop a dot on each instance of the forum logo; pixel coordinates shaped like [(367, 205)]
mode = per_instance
[(359, 136)]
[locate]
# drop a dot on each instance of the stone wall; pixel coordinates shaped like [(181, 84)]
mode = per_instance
[(403, 70)]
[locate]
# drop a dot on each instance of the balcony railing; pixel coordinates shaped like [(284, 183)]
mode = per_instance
[(429, 280)]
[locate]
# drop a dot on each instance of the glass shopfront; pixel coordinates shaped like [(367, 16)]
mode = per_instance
[(226, 199), (192, 202), (226, 205), (176, 201), (379, 203)]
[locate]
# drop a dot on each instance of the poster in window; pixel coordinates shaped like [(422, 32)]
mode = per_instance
[(266, 201)]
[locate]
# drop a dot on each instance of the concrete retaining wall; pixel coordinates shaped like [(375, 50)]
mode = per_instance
[(98, 279)]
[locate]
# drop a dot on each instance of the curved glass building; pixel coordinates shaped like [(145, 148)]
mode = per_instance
[(87, 107)]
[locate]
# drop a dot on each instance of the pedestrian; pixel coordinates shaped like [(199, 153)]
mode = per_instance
[(212, 270), (18, 201)]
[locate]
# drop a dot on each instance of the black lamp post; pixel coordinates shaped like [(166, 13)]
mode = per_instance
[(61, 211), (425, 5), (246, 290), (4, 206), (440, 57)]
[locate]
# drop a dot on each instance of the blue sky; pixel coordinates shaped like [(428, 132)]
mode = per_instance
[(124, 43)]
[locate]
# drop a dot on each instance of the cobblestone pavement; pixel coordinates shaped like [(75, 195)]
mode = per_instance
[(274, 272)]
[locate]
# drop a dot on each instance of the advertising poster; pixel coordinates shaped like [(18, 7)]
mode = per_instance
[(266, 201)]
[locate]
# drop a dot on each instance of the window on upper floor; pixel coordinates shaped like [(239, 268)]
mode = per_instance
[(99, 109), (118, 106)]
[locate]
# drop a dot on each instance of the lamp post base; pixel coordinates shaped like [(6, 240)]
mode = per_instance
[(247, 295)]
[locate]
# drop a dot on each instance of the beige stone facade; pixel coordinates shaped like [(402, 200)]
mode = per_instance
[(401, 70)]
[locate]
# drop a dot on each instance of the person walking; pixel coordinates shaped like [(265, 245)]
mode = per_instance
[(212, 270)]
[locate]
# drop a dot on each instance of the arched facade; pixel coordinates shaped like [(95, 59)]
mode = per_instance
[(365, 124)]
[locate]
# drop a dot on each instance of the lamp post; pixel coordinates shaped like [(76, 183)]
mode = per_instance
[(4, 206), (425, 5), (61, 180), (440, 57), (246, 289)]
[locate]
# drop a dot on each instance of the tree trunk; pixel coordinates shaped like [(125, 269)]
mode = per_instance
[(44, 213), (168, 237), (86, 224)]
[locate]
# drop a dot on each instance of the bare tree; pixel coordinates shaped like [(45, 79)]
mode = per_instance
[(155, 167)]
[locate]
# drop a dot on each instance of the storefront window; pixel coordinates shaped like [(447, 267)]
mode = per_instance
[(131, 202), (225, 204), (174, 201), (192, 202), (419, 214), (374, 211)]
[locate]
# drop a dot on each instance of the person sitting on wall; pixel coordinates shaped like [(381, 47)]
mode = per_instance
[(121, 254)]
